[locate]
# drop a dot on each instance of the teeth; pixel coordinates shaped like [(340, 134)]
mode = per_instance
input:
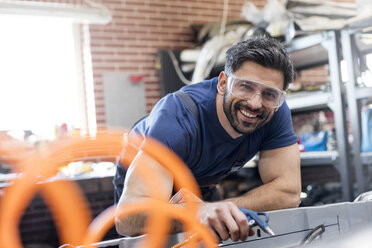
[(248, 114)]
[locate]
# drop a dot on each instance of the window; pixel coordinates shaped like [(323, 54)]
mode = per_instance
[(40, 85)]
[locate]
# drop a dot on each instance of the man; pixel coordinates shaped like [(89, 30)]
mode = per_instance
[(243, 107)]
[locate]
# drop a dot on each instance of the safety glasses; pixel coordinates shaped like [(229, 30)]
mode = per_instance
[(247, 89)]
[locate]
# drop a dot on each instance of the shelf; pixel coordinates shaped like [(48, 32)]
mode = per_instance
[(312, 100), (367, 158), (301, 101), (329, 158), (363, 92), (319, 158), (322, 158), (307, 51), (359, 22)]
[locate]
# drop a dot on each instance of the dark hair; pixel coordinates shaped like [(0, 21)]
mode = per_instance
[(264, 51)]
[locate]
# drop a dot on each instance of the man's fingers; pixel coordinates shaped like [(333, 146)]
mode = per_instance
[(215, 223), (226, 220), (229, 222), (242, 223), (233, 230)]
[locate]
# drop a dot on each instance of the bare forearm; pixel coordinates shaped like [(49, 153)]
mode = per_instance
[(131, 226), (135, 225), (136, 192), (269, 196)]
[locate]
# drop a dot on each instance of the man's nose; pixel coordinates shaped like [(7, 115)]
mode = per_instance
[(255, 101)]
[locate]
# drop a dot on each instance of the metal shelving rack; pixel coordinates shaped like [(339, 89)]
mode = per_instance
[(303, 101), (352, 49), (329, 158), (319, 49), (330, 47)]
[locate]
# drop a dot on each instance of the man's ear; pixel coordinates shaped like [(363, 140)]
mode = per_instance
[(222, 83)]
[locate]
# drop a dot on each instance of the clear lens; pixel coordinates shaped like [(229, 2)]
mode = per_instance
[(245, 89)]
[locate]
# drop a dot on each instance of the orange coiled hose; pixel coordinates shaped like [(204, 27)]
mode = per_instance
[(68, 203)]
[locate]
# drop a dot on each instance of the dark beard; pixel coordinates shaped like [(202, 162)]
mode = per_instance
[(231, 110)]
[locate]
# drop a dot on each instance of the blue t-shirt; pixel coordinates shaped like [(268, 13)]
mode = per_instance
[(171, 123)]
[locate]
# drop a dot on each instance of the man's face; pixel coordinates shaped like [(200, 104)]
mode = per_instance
[(245, 116)]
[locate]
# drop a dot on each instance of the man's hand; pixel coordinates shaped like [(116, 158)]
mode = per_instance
[(223, 218), (226, 220)]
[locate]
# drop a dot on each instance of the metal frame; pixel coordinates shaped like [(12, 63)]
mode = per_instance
[(292, 228), (348, 47), (334, 56), (302, 101), (329, 158), (330, 40), (348, 160), (355, 95)]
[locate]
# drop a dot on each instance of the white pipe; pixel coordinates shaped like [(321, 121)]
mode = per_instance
[(224, 16), (89, 15)]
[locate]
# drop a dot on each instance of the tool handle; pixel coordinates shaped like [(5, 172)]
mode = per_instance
[(254, 218)]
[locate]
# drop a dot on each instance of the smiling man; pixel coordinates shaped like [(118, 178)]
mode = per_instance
[(240, 113)]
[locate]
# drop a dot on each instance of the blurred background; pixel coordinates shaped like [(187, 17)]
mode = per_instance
[(68, 67)]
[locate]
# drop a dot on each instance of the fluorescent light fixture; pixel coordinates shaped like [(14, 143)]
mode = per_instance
[(80, 14)]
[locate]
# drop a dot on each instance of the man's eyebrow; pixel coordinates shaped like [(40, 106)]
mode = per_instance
[(271, 89), (247, 80)]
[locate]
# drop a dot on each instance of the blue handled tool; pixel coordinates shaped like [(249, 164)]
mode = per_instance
[(254, 219)]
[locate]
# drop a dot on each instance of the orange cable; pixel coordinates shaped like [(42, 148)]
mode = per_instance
[(68, 203)]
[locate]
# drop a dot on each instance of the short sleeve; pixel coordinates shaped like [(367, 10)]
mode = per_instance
[(171, 123), (279, 131)]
